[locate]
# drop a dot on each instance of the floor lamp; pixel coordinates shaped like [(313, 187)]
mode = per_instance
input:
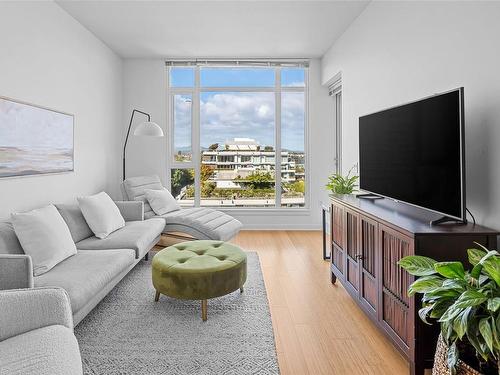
[(147, 128)]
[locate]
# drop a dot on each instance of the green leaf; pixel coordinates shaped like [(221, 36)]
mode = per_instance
[(491, 267), (473, 337), (452, 358), (494, 304), (497, 321), (423, 312), (425, 284), (443, 292), (457, 284), (460, 322), (440, 307), (450, 314), (496, 338), (482, 279), (488, 255), (417, 265), (475, 255), (476, 271), (447, 332), (485, 329), (451, 270), (470, 298)]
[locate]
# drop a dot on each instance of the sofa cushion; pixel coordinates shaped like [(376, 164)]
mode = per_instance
[(135, 187), (161, 201), (9, 243), (101, 214), (202, 223), (73, 217), (49, 350), (86, 273), (44, 236), (137, 235)]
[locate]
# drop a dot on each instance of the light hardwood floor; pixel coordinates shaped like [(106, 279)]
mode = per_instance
[(318, 328)]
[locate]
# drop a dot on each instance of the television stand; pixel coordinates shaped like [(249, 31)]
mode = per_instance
[(369, 196), (446, 219), (367, 240)]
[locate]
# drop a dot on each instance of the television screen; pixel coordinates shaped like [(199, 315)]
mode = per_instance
[(414, 153)]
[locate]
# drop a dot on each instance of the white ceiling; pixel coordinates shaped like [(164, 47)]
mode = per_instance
[(216, 29)]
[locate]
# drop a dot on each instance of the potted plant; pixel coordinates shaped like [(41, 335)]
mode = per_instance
[(466, 303), (339, 184)]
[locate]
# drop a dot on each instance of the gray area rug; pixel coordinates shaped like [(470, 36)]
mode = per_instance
[(128, 333)]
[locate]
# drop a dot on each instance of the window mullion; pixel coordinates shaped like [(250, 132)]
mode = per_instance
[(277, 127), (195, 138), (170, 132)]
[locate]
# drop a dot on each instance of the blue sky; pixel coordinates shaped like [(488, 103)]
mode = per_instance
[(236, 77), (226, 115)]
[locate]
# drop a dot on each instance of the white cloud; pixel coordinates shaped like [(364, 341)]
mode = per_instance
[(228, 115)]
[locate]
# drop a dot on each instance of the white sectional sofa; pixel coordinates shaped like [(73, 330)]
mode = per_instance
[(97, 267)]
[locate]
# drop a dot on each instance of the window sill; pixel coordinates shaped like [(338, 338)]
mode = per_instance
[(265, 211)]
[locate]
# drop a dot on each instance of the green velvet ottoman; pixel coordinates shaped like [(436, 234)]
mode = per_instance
[(199, 270)]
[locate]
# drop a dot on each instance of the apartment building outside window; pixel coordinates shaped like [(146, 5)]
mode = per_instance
[(238, 133)]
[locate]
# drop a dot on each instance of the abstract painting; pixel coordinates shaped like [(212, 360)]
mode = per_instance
[(34, 140)]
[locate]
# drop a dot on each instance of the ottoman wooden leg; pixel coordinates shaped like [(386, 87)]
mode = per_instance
[(204, 310), (241, 290), (157, 296)]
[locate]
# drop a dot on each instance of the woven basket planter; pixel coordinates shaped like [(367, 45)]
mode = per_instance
[(441, 366)]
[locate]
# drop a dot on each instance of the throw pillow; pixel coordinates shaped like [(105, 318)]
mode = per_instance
[(101, 214), (44, 236), (73, 217), (161, 201)]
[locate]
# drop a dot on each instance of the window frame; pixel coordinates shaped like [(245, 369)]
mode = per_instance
[(195, 162)]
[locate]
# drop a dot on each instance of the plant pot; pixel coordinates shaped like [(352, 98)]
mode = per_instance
[(441, 366)]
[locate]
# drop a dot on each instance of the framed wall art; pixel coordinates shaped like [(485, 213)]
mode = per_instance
[(34, 140)]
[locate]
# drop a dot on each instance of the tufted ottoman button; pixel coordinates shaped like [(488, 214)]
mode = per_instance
[(199, 270)]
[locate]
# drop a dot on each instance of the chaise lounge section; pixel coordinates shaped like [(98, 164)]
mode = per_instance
[(200, 223)]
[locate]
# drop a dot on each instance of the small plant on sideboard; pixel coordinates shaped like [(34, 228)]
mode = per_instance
[(339, 184)]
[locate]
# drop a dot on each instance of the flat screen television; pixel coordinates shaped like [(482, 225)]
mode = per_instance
[(414, 153)]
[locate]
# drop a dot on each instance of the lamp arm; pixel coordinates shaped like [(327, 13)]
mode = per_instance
[(128, 133)]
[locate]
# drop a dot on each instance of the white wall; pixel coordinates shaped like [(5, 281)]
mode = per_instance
[(145, 88), (395, 52), (48, 58)]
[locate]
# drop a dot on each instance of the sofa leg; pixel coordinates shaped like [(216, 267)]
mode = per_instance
[(157, 296), (146, 257), (204, 310)]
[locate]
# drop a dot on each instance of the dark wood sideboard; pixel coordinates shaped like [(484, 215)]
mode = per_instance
[(368, 237)]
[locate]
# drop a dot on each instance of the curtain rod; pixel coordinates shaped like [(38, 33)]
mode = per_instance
[(244, 62)]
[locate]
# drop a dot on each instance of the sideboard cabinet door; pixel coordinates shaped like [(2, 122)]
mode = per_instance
[(352, 253), (337, 230), (396, 308), (370, 257)]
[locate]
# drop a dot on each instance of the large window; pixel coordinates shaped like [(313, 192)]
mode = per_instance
[(238, 135)]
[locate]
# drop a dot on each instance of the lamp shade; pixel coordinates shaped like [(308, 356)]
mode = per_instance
[(148, 129)]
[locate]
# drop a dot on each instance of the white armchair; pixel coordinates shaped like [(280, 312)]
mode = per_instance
[(36, 333)]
